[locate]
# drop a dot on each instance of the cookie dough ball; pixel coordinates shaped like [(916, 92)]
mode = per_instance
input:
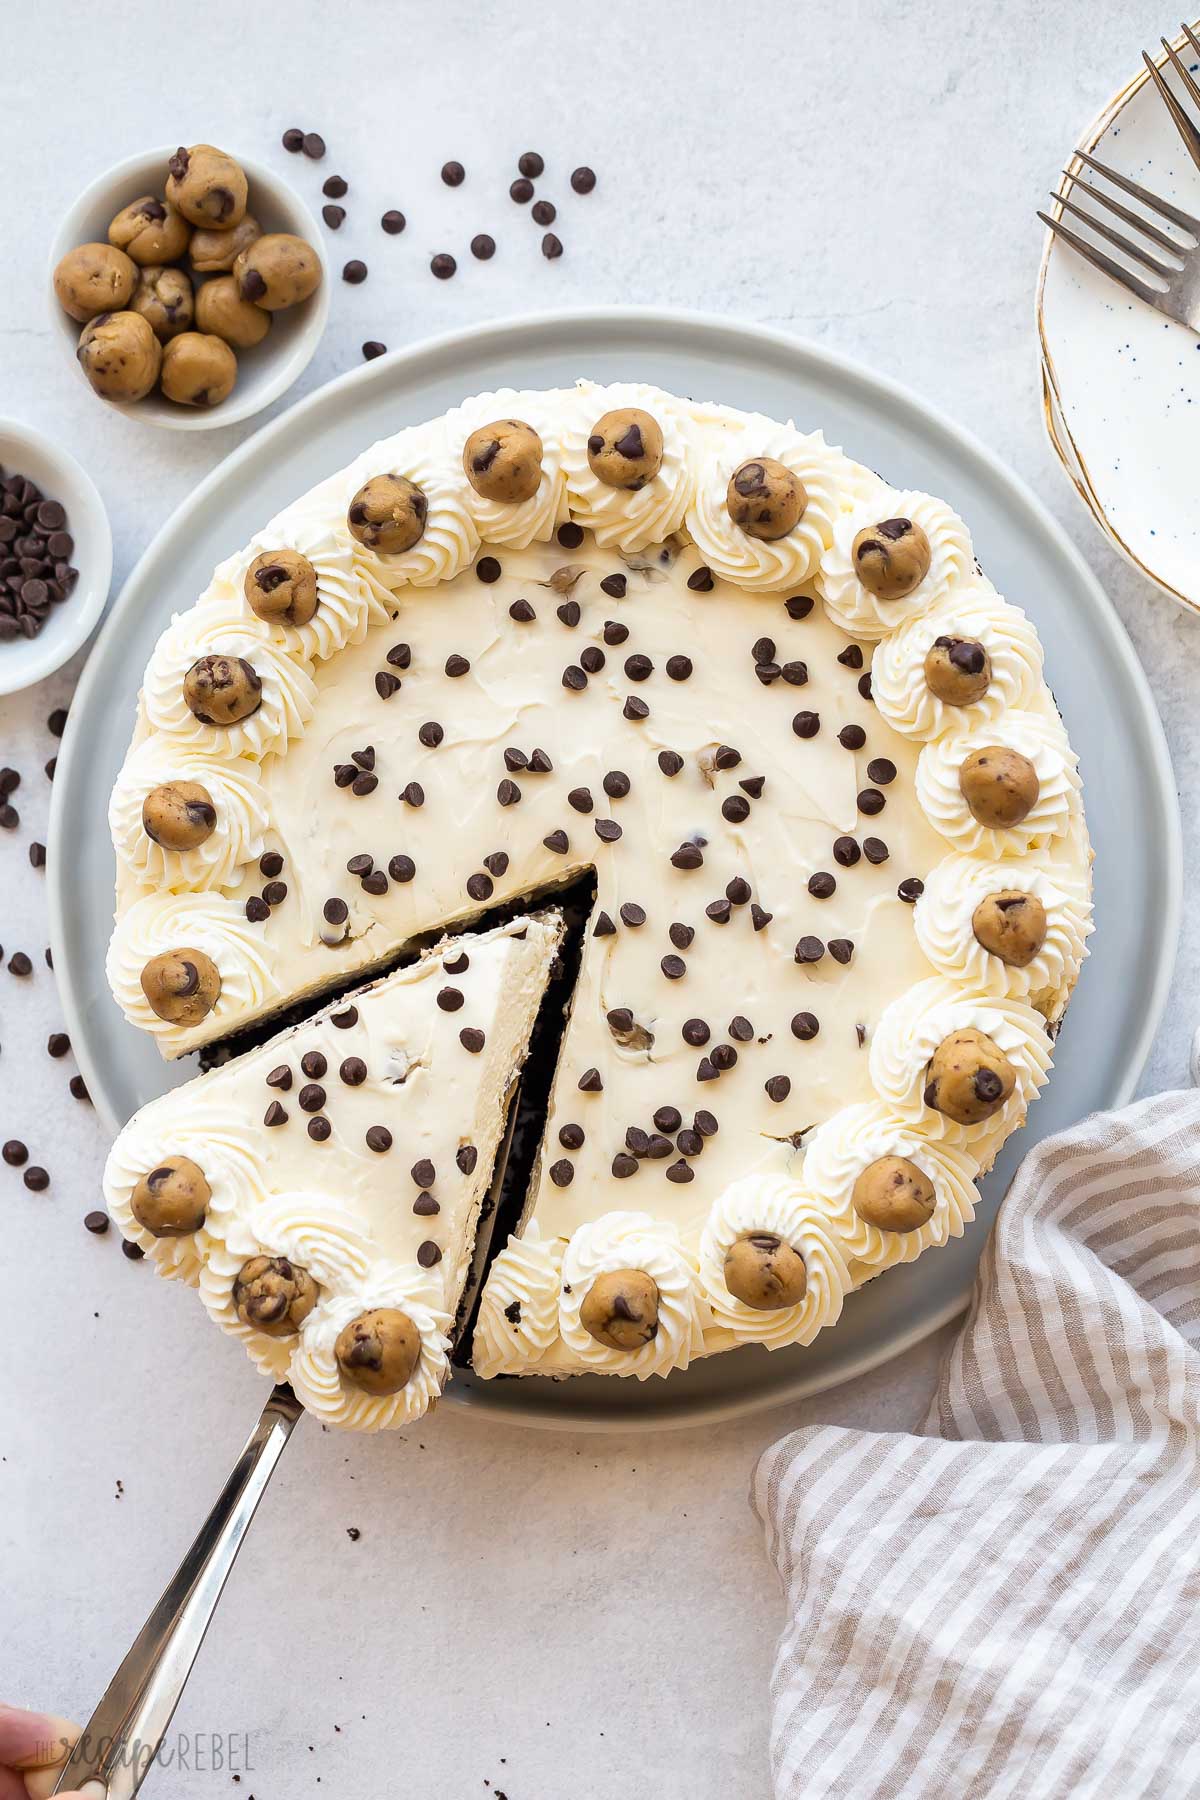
[(198, 369), (891, 558), (764, 498), (94, 279), (503, 461), (172, 1200), (765, 1273), (179, 815), (120, 355), (957, 670), (1011, 925), (281, 585), (620, 1309), (378, 1351), (970, 1078), (221, 311), (181, 986), (207, 186), (215, 252), (277, 270), (163, 297), (150, 231), (894, 1195), (274, 1295), (625, 448), (1000, 786), (388, 513), (222, 690)]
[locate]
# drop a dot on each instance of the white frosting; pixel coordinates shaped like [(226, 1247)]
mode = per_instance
[(165, 921), (350, 596), (943, 921), (625, 518), (952, 561), (318, 1381), (425, 456), (1038, 736), (914, 1025), (780, 565), (838, 1152), (633, 1240), (974, 611), (518, 1315), (223, 626), (783, 1206), (532, 520), (238, 837)]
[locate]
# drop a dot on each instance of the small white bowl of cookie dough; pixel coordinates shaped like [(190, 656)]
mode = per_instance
[(177, 300)]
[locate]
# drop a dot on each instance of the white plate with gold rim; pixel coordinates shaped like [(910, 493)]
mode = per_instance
[(1129, 785), (1121, 383)]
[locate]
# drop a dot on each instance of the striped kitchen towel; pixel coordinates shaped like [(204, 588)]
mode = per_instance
[(1007, 1603)]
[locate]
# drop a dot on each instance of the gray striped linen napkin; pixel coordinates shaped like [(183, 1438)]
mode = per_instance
[(1007, 1603)]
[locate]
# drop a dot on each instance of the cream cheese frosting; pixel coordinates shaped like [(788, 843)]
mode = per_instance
[(735, 738), (358, 1147)]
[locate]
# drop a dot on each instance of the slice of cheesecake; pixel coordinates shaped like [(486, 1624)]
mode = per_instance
[(323, 1191)]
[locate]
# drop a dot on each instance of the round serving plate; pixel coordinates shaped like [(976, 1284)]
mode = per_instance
[(1120, 383), (1096, 677)]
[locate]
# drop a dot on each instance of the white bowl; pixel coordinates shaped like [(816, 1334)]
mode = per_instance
[(24, 451), (264, 372)]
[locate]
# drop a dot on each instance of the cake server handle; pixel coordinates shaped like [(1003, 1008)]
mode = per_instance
[(117, 1746)]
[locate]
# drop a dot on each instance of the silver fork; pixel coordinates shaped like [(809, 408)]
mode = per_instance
[(1178, 267)]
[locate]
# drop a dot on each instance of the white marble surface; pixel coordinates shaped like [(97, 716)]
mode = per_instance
[(553, 1615)]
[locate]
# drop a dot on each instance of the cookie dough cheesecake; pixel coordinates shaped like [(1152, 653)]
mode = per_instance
[(768, 706), (322, 1192)]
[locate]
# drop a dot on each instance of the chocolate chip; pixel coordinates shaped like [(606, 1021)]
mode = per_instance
[(681, 1172), (806, 724), (719, 911), (355, 271), (57, 1044), (580, 798), (483, 247), (393, 222), (882, 771), (360, 865), (19, 964), (275, 1114), (311, 1097), (572, 1137), (616, 784), (638, 667), (344, 1019), (134, 1252), (570, 614), (871, 802), (574, 679), (530, 163), (673, 967), (864, 685), (767, 672), (637, 1141), (821, 885), (353, 1071), (795, 673), (841, 949), (456, 665), (777, 1088), (508, 793), (633, 915), (334, 217), (741, 1028), (423, 1173), (846, 852), (378, 1138), (480, 886), (335, 188), (705, 1123), (496, 863), (690, 1142), (551, 246), (372, 349), (280, 1078), (450, 999), (688, 856), (428, 1254), (37, 1181), (753, 785), (402, 868), (735, 809), (851, 657), (590, 1082), (521, 191), (798, 607), (96, 1223), (569, 535), (737, 891), (679, 668), (706, 1070), (726, 757), (487, 570), (9, 817), (607, 830), (400, 656), (425, 1206), (681, 936), (695, 1032), (453, 174), (14, 1153), (809, 950), (805, 1026), (624, 1165), (442, 265), (614, 586), (759, 917), (313, 145), (910, 890), (723, 1057), (635, 708), (701, 581), (562, 1172), (852, 737), (557, 841), (583, 179), (670, 762), (875, 850), (472, 1039), (293, 139), (763, 650), (275, 893), (386, 685), (77, 1088)]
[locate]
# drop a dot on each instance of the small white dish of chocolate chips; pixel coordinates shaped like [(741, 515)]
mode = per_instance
[(190, 287)]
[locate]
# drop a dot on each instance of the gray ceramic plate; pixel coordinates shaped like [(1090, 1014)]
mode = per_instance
[(1103, 694)]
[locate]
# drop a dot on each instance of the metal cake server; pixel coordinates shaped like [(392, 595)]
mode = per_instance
[(117, 1747)]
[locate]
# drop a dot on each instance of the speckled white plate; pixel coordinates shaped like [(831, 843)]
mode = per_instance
[(1121, 384), (1100, 687)]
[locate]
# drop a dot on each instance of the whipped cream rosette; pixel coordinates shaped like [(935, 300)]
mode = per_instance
[(973, 611), (1040, 738), (627, 518), (783, 1207), (351, 598), (161, 923), (952, 561), (424, 455), (915, 1024), (843, 1147), (229, 1152), (239, 803), (517, 1320), (529, 521), (944, 917), (314, 1371), (224, 627), (633, 1240)]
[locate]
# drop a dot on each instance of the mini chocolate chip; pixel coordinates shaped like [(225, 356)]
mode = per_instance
[(809, 950), (632, 914), (423, 1173), (670, 762), (846, 852), (580, 798), (37, 855), (280, 1078), (57, 1044), (508, 793), (614, 631), (851, 657), (456, 665), (798, 607), (347, 1017), (551, 246), (763, 650), (400, 656), (570, 535), (735, 808), (378, 1138), (521, 191), (821, 885), (402, 868), (741, 1028), (795, 674), (679, 668), (624, 1165), (333, 217), (695, 1032), (37, 1181), (393, 222), (275, 893), (852, 737), (871, 802), (841, 949), (719, 911), (472, 1039), (638, 667), (386, 685), (706, 1070), (496, 863), (96, 1223), (805, 1026), (701, 580), (574, 679), (77, 1088), (591, 658), (910, 890), (453, 174), (275, 1114), (737, 891), (487, 570), (569, 613), (311, 1097), (590, 1082), (864, 685), (293, 139), (313, 145), (681, 936), (681, 1171), (637, 1141), (705, 1123), (753, 785), (314, 1064), (615, 587), (673, 967), (257, 910), (759, 917), (360, 865), (430, 734), (562, 1172), (806, 724), (688, 856), (372, 349), (607, 830), (583, 179), (616, 784), (723, 1057), (480, 886), (483, 246), (353, 1071), (355, 271), (442, 265), (14, 1153), (881, 771), (530, 163), (777, 1088), (426, 1207), (572, 1137), (557, 841), (635, 708), (450, 999), (413, 794), (335, 188)]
